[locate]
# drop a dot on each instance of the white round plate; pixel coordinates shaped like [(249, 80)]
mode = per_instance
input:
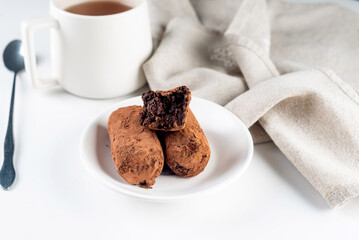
[(229, 139)]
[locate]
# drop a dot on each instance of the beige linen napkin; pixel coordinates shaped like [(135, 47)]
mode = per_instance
[(288, 56)]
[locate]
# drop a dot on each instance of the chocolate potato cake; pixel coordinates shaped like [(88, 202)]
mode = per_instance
[(136, 150), (166, 110), (187, 151)]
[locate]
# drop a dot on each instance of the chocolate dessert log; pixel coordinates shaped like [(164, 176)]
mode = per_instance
[(187, 151), (136, 150), (166, 110)]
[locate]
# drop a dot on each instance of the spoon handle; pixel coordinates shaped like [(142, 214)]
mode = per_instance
[(7, 172)]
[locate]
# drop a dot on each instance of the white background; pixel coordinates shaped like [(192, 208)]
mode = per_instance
[(55, 198)]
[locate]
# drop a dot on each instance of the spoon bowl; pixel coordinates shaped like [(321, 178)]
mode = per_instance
[(13, 60)]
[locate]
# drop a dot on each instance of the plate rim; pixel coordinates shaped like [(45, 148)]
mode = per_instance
[(110, 183)]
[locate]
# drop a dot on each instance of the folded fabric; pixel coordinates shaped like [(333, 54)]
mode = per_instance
[(220, 49)]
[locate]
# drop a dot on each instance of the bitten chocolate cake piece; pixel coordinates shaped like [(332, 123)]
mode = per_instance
[(187, 151), (166, 110), (136, 151)]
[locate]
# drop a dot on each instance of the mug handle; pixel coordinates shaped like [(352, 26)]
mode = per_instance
[(27, 31)]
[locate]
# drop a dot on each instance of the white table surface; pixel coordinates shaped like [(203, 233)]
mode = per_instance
[(54, 197)]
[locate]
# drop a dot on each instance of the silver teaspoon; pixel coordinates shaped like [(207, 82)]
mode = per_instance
[(15, 63)]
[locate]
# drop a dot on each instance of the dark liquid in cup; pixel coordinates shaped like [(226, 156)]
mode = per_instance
[(98, 8)]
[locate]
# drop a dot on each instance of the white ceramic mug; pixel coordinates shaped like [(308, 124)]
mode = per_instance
[(92, 56)]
